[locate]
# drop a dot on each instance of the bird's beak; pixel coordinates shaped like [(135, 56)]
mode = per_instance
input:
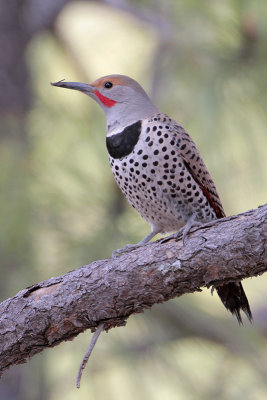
[(82, 87)]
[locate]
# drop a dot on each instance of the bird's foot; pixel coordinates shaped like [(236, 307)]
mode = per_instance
[(126, 249), (183, 232), (130, 247), (175, 236)]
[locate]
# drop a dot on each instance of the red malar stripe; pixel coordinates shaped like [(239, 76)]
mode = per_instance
[(105, 100)]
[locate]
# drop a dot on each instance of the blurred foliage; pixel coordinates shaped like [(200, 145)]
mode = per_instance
[(204, 63)]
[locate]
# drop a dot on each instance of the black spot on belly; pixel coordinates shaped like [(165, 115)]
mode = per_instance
[(123, 143)]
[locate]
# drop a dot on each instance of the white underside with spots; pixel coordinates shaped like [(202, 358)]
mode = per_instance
[(155, 180)]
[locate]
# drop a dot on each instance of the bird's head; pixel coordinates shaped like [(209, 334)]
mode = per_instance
[(122, 99)]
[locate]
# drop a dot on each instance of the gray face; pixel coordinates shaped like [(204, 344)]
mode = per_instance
[(131, 104), (121, 94), (122, 99)]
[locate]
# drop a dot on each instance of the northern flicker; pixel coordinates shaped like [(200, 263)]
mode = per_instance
[(158, 167)]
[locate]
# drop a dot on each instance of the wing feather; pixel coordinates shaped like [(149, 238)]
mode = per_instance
[(197, 168)]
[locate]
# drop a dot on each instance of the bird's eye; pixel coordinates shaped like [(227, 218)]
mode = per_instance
[(108, 85)]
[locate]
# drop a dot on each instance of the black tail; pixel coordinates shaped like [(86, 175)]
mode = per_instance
[(234, 299)]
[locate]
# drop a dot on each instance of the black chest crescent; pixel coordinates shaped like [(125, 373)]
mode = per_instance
[(123, 143)]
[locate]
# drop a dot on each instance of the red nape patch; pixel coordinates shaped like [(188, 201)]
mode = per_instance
[(105, 100)]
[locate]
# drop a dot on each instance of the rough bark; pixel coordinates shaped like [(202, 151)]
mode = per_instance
[(110, 290)]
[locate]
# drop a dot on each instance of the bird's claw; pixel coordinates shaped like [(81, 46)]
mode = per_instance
[(176, 236), (125, 249)]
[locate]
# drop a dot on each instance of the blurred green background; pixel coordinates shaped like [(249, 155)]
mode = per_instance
[(205, 64)]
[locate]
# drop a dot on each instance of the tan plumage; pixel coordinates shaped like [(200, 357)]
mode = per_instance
[(196, 166)]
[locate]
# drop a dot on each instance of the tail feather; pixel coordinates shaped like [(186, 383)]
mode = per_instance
[(234, 299)]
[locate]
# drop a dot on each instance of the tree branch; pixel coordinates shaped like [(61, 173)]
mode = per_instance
[(109, 291)]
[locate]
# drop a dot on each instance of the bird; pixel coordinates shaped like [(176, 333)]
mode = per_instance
[(158, 168)]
